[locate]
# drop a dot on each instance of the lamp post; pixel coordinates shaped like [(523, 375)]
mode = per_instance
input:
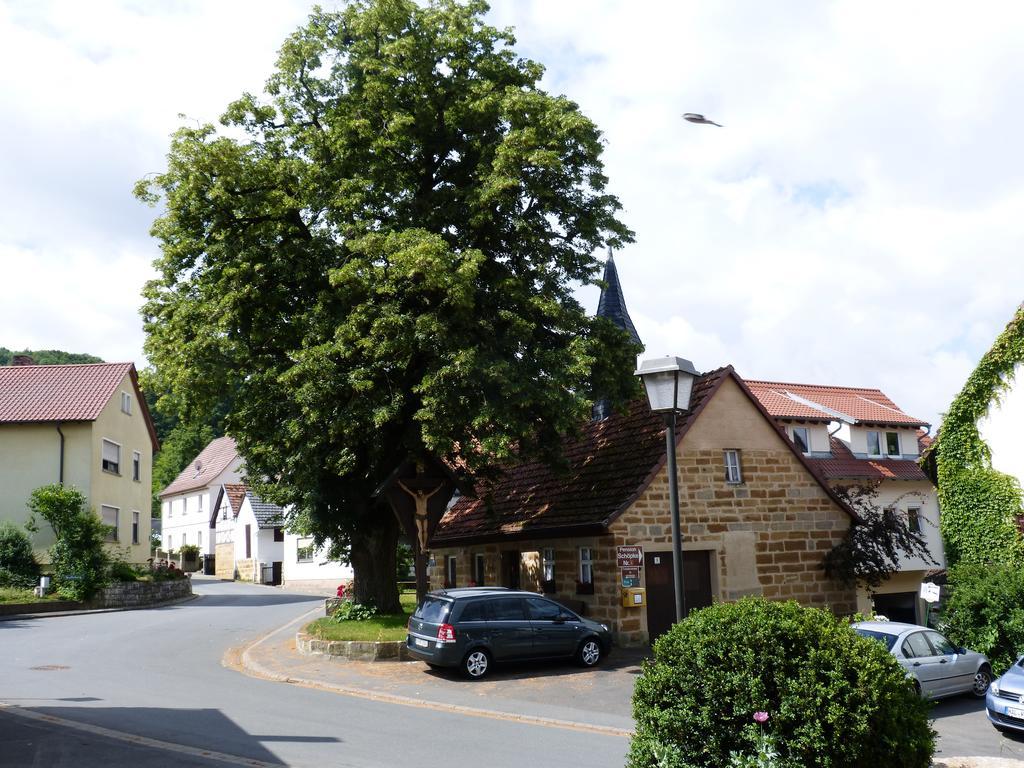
[(669, 384)]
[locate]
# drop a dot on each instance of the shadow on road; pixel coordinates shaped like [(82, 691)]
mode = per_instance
[(202, 729), (620, 660), (956, 706)]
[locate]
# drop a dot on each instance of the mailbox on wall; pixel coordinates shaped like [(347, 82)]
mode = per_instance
[(634, 597)]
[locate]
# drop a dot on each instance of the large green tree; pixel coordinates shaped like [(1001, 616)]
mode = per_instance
[(376, 261)]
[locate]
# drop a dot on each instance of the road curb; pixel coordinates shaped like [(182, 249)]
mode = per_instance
[(253, 667), (85, 611)]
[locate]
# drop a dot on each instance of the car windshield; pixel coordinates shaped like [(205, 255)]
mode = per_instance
[(433, 609), (882, 637)]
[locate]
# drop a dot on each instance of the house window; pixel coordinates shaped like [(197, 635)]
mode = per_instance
[(914, 519), (199, 539), (478, 569), (126, 403), (732, 467), (892, 443), (874, 444), (135, 527), (278, 534), (548, 564), (109, 516), (136, 466), (248, 542), (184, 538), (170, 542), (304, 550), (802, 439), (199, 503), (449, 571), (586, 565), (224, 510), (111, 457)]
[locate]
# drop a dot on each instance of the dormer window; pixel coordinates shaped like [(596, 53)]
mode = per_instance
[(802, 439), (874, 443), (892, 443)]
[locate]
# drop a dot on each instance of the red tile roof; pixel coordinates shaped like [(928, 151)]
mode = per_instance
[(236, 494), (866, 405), (212, 460), (52, 393), (607, 467), (845, 466)]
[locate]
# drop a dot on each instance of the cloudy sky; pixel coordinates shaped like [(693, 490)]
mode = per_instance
[(857, 221)]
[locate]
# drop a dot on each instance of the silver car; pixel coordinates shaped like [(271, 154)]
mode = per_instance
[(1005, 700), (938, 668)]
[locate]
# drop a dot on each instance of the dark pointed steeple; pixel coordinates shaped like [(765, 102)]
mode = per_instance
[(612, 305)]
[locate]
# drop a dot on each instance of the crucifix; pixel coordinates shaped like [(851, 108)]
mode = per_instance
[(420, 498)]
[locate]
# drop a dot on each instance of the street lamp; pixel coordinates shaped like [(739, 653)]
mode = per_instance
[(669, 384)]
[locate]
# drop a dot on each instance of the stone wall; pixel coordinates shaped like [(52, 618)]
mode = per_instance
[(139, 593), (245, 570)]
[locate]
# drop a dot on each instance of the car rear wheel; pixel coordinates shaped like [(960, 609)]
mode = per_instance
[(589, 652), (982, 680), (476, 664)]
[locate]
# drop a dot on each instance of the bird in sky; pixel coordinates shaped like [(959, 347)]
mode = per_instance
[(693, 117)]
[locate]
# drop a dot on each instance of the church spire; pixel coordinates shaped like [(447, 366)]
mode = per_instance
[(612, 305)]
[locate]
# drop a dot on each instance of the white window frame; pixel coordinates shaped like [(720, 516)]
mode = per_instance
[(103, 461), (116, 535), (136, 526), (304, 553), (733, 471), (867, 441), (451, 570), (807, 439), (137, 466), (899, 444), (170, 541), (126, 403), (547, 559), (914, 514), (586, 571), (199, 539)]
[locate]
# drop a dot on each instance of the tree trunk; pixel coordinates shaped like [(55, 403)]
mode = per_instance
[(375, 564)]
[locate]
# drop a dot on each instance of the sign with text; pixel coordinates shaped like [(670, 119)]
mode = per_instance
[(631, 576), (929, 592), (629, 556)]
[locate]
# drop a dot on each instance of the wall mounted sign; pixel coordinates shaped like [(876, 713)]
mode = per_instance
[(629, 556)]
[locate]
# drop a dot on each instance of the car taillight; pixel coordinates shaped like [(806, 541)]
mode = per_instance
[(446, 633)]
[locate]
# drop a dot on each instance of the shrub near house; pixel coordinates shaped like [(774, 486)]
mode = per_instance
[(833, 699)]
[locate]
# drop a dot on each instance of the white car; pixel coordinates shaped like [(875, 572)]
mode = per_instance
[(937, 666)]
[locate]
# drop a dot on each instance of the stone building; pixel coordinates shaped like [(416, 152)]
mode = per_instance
[(756, 518)]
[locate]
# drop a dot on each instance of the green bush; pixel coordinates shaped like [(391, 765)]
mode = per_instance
[(122, 571), (353, 611), (834, 699), (189, 551), (80, 561), (18, 566), (985, 611)]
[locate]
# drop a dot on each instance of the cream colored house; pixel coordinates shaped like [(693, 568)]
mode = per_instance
[(855, 435), (86, 426)]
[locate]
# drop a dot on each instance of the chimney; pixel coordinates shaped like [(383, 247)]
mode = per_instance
[(22, 360)]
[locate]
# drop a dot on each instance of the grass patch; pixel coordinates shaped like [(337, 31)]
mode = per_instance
[(379, 629), (10, 595)]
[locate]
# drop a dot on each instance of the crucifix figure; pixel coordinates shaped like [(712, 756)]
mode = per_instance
[(420, 497)]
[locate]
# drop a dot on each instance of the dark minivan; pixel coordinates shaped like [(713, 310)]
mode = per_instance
[(473, 627)]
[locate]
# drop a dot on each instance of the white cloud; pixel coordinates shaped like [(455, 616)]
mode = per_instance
[(856, 221)]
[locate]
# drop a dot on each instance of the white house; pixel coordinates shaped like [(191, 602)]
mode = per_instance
[(249, 534), (306, 568), (855, 434), (186, 504)]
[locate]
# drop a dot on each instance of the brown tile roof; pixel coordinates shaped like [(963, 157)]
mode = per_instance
[(52, 393), (784, 401), (845, 466), (236, 494), (608, 467), (212, 460)]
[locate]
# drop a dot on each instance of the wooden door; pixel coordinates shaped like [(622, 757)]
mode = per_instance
[(661, 593), (276, 573), (510, 569)]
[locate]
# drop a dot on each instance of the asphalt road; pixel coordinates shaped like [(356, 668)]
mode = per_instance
[(147, 688), (97, 683)]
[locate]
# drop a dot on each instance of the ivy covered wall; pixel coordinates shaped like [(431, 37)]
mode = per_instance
[(980, 505)]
